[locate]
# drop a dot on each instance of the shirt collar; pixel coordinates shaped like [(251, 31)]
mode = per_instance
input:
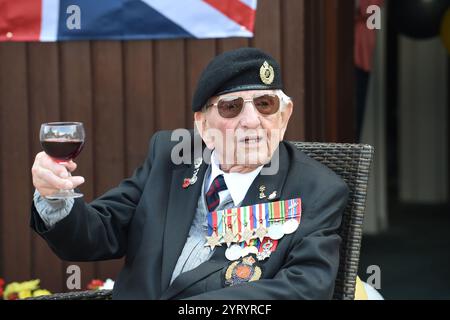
[(237, 183)]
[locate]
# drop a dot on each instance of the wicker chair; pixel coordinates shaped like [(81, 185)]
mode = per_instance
[(352, 163)]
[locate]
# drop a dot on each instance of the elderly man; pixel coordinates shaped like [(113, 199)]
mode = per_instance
[(254, 219)]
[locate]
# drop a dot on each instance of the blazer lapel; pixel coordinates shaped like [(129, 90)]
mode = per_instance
[(180, 214)]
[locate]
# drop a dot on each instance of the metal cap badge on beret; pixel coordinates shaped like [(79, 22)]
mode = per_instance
[(237, 70)]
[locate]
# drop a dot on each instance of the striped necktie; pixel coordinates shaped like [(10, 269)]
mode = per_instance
[(212, 196)]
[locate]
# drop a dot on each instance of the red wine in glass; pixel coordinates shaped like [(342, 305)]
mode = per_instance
[(62, 150), (62, 141)]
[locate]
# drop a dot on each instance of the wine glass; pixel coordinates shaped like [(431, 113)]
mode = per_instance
[(62, 141)]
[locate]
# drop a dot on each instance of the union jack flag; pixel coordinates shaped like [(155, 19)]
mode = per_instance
[(54, 20)]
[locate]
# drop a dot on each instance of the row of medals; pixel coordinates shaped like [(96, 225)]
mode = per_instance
[(234, 251)]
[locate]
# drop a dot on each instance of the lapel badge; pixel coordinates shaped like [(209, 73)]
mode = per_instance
[(190, 181), (197, 163), (186, 183), (244, 270), (262, 188), (193, 179), (266, 73), (272, 196)]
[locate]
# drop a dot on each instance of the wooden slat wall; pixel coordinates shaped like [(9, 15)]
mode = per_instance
[(18, 253), (76, 87), (124, 91), (45, 78)]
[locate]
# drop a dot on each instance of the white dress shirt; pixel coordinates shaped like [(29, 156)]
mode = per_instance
[(237, 183)]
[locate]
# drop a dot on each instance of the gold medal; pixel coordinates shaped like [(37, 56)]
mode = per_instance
[(247, 236), (212, 241), (260, 233), (229, 237)]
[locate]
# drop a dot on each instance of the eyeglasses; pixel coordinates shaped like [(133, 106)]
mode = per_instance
[(231, 106)]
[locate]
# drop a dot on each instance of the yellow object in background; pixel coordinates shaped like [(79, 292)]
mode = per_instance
[(445, 30), (360, 291), (23, 290)]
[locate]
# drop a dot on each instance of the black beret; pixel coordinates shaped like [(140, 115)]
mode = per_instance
[(237, 70)]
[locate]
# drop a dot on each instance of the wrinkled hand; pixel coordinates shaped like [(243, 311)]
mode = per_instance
[(50, 176)]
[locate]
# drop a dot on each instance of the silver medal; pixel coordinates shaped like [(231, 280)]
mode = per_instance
[(234, 252), (252, 249), (247, 250), (290, 226), (275, 231)]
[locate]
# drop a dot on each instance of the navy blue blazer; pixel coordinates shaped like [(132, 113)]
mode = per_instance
[(147, 217)]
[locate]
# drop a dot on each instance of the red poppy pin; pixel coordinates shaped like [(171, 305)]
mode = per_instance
[(186, 183)]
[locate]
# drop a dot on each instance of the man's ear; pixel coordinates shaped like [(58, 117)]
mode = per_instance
[(200, 123), (199, 120), (285, 116)]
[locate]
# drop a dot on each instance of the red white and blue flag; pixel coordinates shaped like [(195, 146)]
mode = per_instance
[(55, 20)]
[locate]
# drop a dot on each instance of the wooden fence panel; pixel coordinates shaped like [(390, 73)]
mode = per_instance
[(292, 64), (268, 28), (77, 105), (43, 106), (170, 84), (108, 140), (123, 91), (15, 163), (139, 101), (198, 55)]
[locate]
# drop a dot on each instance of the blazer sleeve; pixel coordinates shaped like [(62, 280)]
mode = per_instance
[(98, 230), (310, 268)]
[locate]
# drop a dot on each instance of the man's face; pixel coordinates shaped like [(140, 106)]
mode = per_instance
[(247, 139)]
